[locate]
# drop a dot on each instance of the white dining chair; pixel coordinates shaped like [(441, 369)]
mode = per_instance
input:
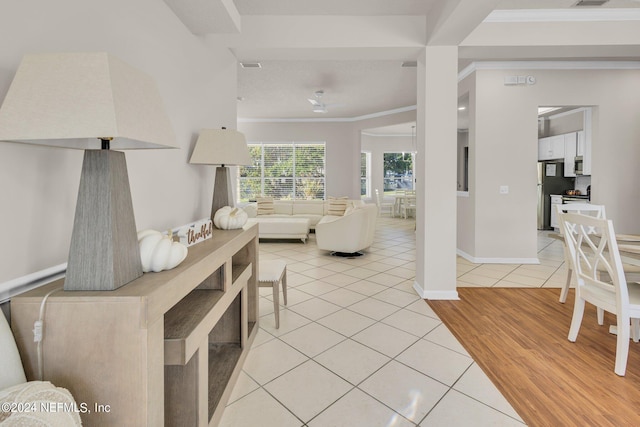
[(408, 206), (592, 245), (632, 272), (597, 211), (382, 205)]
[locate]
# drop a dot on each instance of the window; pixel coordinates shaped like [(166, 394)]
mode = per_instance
[(284, 171), (398, 172), (365, 175)]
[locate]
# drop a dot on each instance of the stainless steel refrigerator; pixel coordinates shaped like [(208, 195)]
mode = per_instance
[(551, 180)]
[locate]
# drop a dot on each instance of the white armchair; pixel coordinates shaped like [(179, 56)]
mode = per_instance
[(347, 235), (34, 402)]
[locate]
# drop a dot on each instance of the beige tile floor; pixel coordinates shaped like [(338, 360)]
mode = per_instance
[(357, 347)]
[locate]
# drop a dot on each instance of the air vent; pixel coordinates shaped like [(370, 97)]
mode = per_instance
[(250, 65), (409, 64), (590, 3)]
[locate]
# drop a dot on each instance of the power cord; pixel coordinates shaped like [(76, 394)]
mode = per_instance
[(38, 327)]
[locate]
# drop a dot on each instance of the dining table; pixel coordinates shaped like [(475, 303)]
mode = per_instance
[(629, 248), (403, 200), (628, 244)]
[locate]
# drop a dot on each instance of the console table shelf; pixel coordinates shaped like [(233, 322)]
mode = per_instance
[(165, 349)]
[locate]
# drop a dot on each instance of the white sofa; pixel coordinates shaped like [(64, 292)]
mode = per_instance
[(350, 233), (34, 402), (313, 210), (284, 222), (281, 228)]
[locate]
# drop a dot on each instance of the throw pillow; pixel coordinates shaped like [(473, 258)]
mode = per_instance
[(352, 207), (265, 206), (337, 205)]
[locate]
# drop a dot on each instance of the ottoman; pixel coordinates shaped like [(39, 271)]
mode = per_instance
[(281, 228)]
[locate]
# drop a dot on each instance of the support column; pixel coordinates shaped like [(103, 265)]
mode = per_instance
[(436, 165)]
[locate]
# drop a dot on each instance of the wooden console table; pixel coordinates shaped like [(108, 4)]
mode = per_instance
[(165, 349)]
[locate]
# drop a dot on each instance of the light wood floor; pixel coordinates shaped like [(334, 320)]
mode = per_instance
[(519, 338)]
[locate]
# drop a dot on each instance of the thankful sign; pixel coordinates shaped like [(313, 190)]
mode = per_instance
[(196, 232)]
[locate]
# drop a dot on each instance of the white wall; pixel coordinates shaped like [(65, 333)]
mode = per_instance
[(566, 123), (503, 140), (465, 225), (38, 185), (343, 145)]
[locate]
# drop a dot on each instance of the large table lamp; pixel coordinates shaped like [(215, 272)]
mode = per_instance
[(97, 103), (221, 147)]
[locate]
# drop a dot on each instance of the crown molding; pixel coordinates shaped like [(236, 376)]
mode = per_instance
[(548, 65), (562, 15), (330, 120), (387, 135)]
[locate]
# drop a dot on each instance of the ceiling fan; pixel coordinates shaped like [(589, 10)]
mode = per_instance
[(318, 105)]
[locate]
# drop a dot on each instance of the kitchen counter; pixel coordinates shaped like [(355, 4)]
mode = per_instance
[(581, 198)]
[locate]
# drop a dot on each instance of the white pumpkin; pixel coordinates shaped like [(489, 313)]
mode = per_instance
[(228, 218), (159, 252)]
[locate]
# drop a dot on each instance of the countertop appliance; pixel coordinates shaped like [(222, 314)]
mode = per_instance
[(551, 180)]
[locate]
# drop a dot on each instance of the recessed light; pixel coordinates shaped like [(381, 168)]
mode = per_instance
[(250, 65), (546, 110), (462, 108), (590, 3)]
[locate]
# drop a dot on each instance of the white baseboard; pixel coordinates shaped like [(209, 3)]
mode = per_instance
[(435, 295), (481, 260)]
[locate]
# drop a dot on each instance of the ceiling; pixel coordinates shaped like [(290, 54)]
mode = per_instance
[(334, 7), (280, 89), (357, 83)]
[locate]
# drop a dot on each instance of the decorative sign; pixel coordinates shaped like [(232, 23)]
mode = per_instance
[(196, 232)]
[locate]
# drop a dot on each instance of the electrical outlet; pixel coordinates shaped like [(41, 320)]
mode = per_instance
[(504, 189)]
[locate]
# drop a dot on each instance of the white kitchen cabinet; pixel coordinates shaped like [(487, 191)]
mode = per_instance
[(583, 148), (584, 142), (544, 148), (580, 143), (551, 148), (557, 147), (570, 150)]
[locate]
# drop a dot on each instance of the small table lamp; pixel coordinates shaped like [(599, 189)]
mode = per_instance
[(92, 102), (221, 147)]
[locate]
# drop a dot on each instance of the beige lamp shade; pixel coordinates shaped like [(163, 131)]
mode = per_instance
[(221, 147), (73, 100), (93, 102)]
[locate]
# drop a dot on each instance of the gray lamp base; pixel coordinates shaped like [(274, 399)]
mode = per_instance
[(222, 192), (104, 252)]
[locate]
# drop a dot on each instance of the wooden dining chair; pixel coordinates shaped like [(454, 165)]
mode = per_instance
[(592, 245)]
